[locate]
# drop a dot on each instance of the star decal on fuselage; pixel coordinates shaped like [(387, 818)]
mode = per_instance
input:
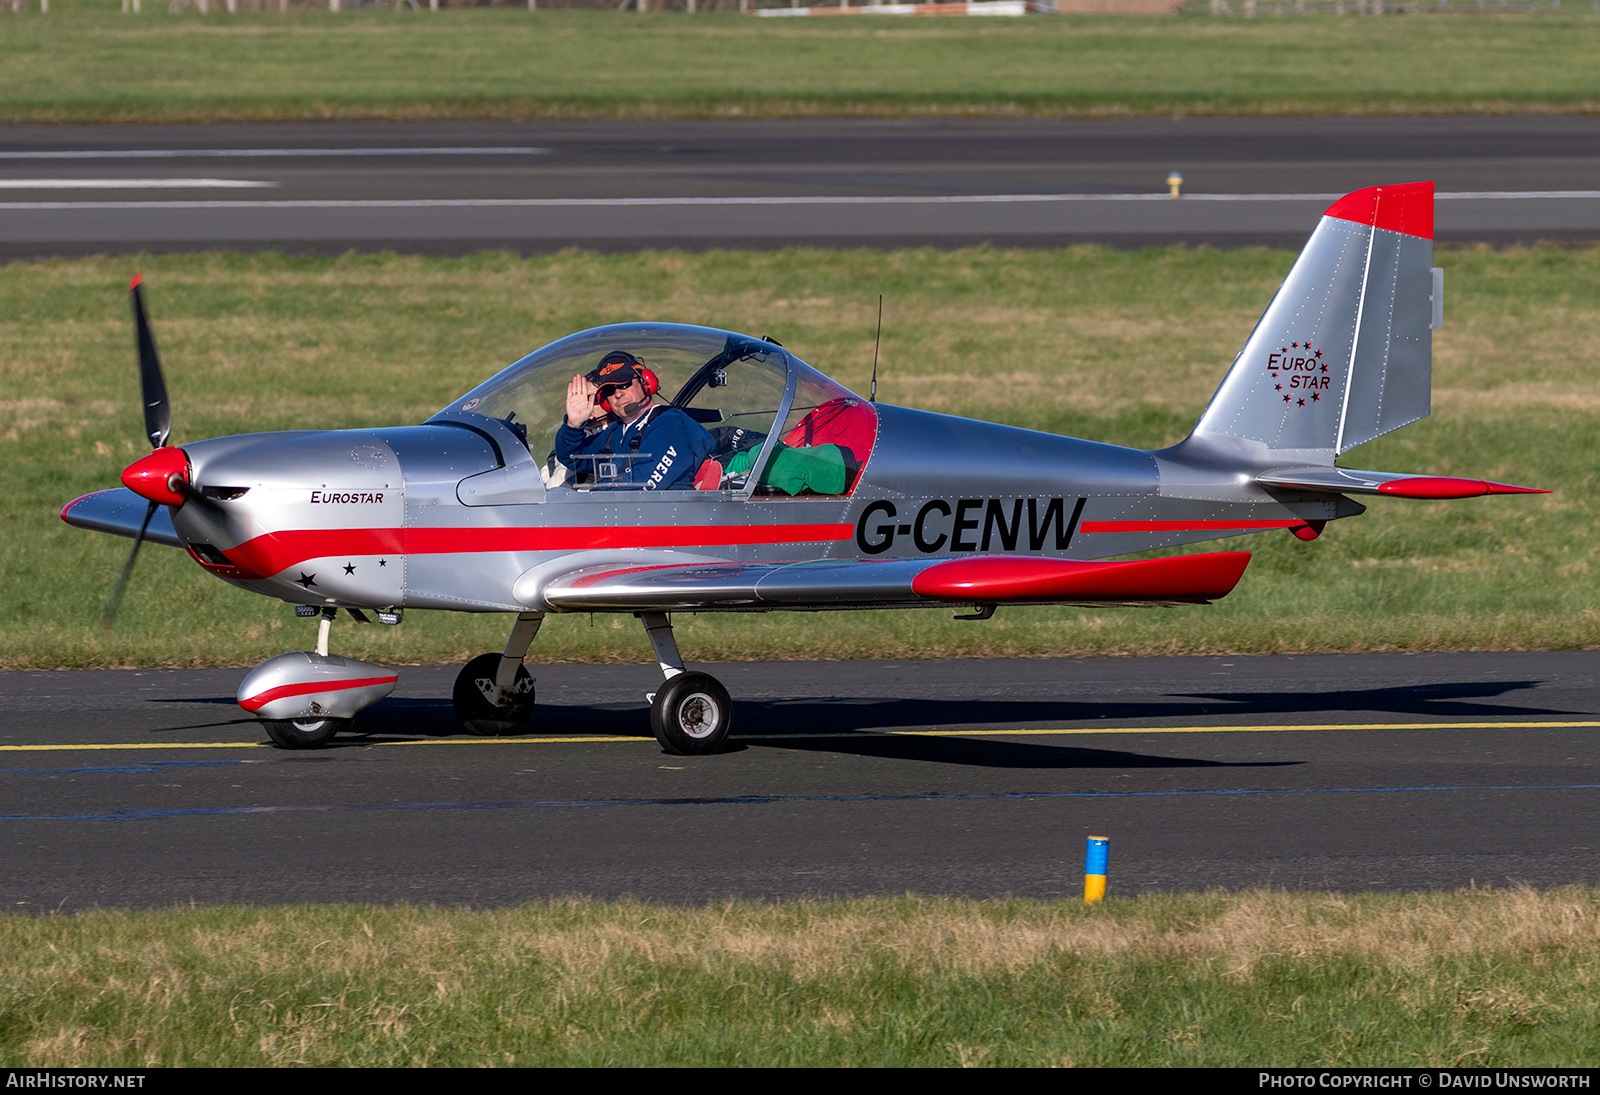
[(349, 568), (306, 580)]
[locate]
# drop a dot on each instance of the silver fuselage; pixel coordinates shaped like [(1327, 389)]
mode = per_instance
[(449, 515)]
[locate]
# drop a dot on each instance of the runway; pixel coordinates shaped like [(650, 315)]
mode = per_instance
[(849, 778), (461, 187)]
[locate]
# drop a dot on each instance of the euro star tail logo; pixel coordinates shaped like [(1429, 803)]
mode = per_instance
[(1299, 374)]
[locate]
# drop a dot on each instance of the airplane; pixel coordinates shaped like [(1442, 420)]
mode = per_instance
[(808, 497)]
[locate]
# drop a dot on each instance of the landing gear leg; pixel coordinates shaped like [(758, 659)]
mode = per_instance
[(494, 693), (691, 714)]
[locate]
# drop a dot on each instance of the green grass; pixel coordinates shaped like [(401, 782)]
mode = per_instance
[(86, 62), (1473, 978), (1116, 346)]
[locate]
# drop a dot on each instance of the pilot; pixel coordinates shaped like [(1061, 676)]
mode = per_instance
[(654, 447)]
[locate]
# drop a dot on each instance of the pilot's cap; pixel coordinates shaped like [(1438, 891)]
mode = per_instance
[(617, 368)]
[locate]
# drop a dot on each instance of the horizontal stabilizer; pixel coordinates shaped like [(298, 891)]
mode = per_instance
[(1397, 484), (626, 585), (120, 512)]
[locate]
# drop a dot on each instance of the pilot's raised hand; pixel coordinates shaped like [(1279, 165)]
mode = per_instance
[(580, 400)]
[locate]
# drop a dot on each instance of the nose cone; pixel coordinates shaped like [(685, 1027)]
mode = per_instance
[(156, 476)]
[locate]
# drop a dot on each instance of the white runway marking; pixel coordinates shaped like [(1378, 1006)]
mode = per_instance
[(909, 199), (257, 153), (131, 184)]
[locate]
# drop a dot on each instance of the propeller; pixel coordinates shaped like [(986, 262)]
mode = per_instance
[(150, 477), (108, 615)]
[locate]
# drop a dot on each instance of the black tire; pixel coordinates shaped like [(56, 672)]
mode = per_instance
[(472, 709), (309, 733), (691, 715)]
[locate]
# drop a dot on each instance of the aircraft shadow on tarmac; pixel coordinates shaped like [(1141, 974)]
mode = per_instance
[(857, 726), (1424, 700), (817, 726)]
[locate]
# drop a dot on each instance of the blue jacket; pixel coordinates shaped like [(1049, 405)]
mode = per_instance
[(664, 455)]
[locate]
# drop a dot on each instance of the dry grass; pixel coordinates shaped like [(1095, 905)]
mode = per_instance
[(1204, 979)]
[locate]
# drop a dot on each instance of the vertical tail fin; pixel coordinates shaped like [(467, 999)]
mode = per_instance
[(1343, 353)]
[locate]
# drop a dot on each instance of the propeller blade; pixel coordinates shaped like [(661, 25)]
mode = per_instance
[(109, 615), (152, 386)]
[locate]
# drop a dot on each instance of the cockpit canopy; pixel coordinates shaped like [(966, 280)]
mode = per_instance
[(740, 389)]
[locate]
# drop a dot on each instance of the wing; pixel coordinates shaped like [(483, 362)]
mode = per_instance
[(120, 512), (1397, 484), (633, 583)]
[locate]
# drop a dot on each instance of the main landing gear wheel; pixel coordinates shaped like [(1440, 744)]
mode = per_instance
[(307, 733), (473, 710), (691, 715)]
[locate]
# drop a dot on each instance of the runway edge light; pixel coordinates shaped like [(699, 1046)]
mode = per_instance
[(1095, 858)]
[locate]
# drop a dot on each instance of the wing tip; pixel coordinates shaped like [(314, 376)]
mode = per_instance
[(66, 509)]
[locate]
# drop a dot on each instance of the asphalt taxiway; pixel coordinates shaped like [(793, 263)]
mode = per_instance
[(960, 777), (451, 188)]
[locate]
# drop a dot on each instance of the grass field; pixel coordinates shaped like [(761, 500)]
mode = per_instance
[(1259, 979), (1123, 347), (86, 62)]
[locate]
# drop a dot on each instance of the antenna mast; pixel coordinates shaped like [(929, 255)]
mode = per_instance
[(872, 396)]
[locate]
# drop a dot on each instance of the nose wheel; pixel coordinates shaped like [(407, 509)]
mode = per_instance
[(311, 733)]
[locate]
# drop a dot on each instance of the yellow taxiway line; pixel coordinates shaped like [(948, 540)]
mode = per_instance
[(1053, 732)]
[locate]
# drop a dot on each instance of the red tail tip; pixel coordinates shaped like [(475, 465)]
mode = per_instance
[(136, 281), (1407, 208)]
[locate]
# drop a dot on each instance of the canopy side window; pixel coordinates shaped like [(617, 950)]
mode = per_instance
[(826, 441)]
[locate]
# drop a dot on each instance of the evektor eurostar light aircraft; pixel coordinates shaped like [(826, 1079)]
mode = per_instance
[(810, 499)]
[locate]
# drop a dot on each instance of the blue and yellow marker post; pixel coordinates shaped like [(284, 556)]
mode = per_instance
[(1094, 868)]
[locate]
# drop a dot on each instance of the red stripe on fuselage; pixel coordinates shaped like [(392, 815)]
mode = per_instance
[(277, 551), (1183, 526)]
